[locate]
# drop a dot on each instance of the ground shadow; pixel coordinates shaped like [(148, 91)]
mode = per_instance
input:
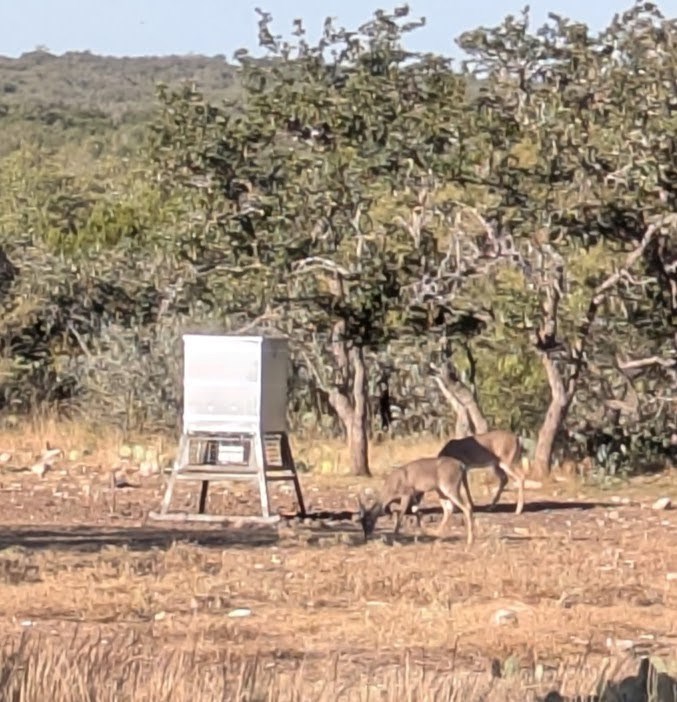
[(90, 538), (502, 508), (316, 524), (529, 507), (647, 685)]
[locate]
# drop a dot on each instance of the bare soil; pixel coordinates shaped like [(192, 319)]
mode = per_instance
[(583, 576)]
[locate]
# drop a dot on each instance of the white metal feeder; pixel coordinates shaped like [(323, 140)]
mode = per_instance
[(234, 419)]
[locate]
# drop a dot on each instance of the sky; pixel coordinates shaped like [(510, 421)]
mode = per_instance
[(211, 27)]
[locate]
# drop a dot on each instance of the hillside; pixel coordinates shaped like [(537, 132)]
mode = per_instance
[(117, 87)]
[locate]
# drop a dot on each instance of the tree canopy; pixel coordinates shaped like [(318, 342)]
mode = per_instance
[(499, 235)]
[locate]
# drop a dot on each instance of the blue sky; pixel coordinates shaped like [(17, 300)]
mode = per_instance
[(161, 27)]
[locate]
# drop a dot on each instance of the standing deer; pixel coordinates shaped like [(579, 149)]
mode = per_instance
[(409, 482), (497, 449)]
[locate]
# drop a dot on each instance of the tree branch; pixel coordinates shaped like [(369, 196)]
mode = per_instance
[(461, 399), (630, 260), (601, 291), (645, 362), (313, 263), (322, 384)]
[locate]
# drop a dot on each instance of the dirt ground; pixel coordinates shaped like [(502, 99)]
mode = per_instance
[(582, 574)]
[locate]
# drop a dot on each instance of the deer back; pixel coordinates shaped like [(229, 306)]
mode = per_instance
[(469, 452), (502, 443)]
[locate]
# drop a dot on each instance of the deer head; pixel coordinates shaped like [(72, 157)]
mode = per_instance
[(368, 517)]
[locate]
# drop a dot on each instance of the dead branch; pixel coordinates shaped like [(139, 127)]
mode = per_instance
[(630, 260), (355, 223), (322, 384), (248, 326), (600, 293), (313, 263), (646, 362), (80, 340)]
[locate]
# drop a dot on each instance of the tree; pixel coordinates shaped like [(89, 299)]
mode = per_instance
[(290, 189), (593, 118)]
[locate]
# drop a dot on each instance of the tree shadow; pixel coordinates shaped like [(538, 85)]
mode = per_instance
[(502, 508), (530, 507), (320, 523), (507, 508), (648, 685), (92, 539)]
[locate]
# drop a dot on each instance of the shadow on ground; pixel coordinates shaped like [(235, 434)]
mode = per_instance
[(316, 525), (87, 538), (505, 508), (648, 685)]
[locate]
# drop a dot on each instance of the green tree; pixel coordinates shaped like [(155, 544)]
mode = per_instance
[(597, 117), (316, 196)]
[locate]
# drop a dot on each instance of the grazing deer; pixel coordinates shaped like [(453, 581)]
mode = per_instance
[(497, 449), (409, 482)]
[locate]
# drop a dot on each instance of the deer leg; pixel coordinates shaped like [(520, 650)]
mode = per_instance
[(467, 491), (447, 506), (518, 477), (414, 503), (500, 473), (452, 495), (405, 501), (467, 487)]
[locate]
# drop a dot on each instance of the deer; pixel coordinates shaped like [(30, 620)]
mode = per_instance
[(497, 449), (409, 482)]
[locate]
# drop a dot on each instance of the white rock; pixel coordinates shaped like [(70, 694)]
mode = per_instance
[(620, 644), (39, 468), (138, 453), (241, 612), (5, 457), (671, 576), (504, 616), (151, 454), (662, 503)]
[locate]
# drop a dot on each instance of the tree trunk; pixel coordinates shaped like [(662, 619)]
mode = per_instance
[(353, 410), (546, 339), (469, 416), (358, 448), (463, 426), (554, 417), (358, 443)]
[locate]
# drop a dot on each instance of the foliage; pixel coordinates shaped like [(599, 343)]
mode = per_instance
[(390, 214)]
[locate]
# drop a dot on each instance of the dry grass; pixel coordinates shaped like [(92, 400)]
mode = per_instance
[(122, 668), (101, 446), (105, 605)]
